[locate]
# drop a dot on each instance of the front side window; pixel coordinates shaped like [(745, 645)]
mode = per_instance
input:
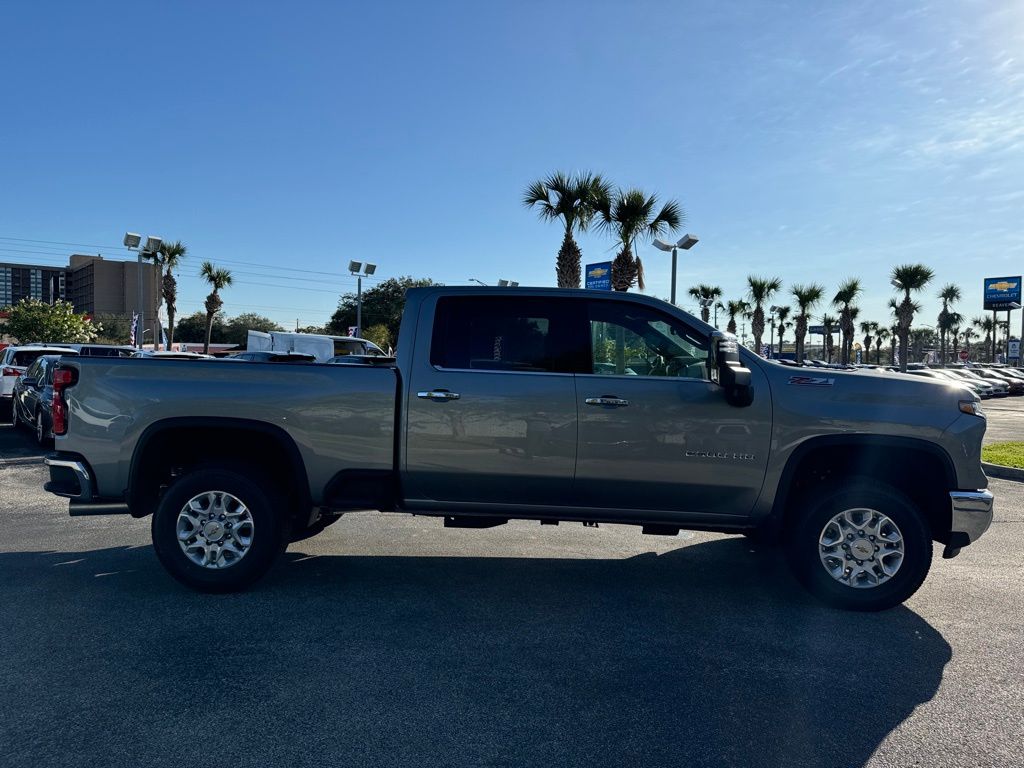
[(633, 340), (494, 333)]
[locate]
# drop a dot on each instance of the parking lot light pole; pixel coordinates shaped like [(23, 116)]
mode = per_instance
[(131, 242), (360, 270), (686, 242)]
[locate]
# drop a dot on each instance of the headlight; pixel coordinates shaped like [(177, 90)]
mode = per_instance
[(973, 407)]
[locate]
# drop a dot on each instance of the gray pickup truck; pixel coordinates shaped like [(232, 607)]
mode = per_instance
[(537, 404)]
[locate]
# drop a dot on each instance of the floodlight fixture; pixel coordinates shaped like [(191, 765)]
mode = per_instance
[(503, 283), (369, 269), (661, 245), (132, 240), (687, 241), (153, 244), (355, 266)]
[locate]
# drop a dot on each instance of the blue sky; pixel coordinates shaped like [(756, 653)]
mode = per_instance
[(810, 141)]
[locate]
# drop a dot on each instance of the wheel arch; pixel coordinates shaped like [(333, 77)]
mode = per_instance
[(265, 445), (918, 468)]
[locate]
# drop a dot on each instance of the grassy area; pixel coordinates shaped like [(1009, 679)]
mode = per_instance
[(1007, 454)]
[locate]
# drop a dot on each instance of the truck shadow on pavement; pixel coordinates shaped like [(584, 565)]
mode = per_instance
[(707, 655)]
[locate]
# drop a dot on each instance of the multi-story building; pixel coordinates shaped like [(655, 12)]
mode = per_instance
[(95, 286)]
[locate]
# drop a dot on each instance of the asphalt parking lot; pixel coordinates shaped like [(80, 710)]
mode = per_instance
[(391, 641)]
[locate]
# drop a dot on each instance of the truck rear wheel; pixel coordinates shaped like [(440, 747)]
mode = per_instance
[(863, 548), (219, 529)]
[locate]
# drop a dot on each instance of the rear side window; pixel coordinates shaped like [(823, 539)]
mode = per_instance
[(494, 333), (26, 358)]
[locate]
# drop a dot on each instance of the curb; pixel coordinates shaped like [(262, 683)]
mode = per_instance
[(1003, 473), (27, 461)]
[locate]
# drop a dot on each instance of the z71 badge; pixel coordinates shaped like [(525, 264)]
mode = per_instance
[(812, 381)]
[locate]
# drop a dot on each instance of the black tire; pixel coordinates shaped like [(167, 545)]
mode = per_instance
[(301, 534), (40, 429), (803, 547), (269, 514)]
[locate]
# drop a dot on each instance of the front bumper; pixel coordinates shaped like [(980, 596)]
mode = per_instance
[(972, 515)]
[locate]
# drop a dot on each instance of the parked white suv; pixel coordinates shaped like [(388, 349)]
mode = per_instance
[(14, 361)]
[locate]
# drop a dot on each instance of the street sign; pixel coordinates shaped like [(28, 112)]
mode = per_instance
[(816, 330), (1014, 349), (599, 276), (964, 356), (1002, 293)]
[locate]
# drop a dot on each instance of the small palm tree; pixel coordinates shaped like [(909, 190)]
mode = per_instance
[(807, 297), (829, 323), (881, 336), (868, 328), (218, 279), (631, 216), (170, 256), (706, 295), (843, 300), (782, 313), (734, 308), (985, 324), (908, 278), (968, 332), (950, 293), (761, 289), (572, 200)]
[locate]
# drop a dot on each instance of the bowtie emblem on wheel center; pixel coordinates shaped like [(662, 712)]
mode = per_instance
[(213, 530), (862, 549)]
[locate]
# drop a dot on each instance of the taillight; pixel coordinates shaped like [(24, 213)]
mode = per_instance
[(10, 372), (62, 378)]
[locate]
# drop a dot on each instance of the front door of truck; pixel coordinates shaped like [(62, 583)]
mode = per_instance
[(655, 432), (491, 404)]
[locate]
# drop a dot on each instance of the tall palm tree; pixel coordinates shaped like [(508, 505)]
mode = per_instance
[(807, 297), (734, 308), (894, 337), (843, 300), (868, 328), (706, 295), (572, 200), (760, 290), (908, 278), (968, 332), (881, 336), (631, 216), (949, 294), (218, 279), (169, 257), (829, 323), (782, 313), (984, 324)]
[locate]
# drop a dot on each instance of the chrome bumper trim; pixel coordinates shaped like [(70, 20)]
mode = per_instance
[(84, 480), (972, 512)]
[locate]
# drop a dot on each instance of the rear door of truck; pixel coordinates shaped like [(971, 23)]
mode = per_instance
[(491, 401)]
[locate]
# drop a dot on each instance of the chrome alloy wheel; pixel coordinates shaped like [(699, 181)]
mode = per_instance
[(215, 529), (861, 548)]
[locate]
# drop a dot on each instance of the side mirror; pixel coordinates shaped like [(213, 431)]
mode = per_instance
[(729, 372), (29, 382)]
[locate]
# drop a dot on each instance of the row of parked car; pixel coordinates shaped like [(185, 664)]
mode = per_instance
[(26, 373), (986, 380)]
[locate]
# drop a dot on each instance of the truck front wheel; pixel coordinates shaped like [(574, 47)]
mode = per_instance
[(219, 529), (863, 547)]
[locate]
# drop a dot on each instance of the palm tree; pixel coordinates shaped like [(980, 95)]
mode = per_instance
[(968, 332), (218, 279), (761, 290), (807, 297), (706, 295), (844, 298), (909, 278), (782, 313), (734, 308), (894, 337), (868, 328), (570, 199), (984, 324), (169, 257), (881, 336), (630, 216), (948, 294), (829, 323)]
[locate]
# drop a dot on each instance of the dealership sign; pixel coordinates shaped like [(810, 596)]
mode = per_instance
[(1002, 292), (599, 276)]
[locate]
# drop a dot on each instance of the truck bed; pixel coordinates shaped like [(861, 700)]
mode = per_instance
[(339, 416)]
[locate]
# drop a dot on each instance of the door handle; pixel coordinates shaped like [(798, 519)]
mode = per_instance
[(438, 394), (615, 402)]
